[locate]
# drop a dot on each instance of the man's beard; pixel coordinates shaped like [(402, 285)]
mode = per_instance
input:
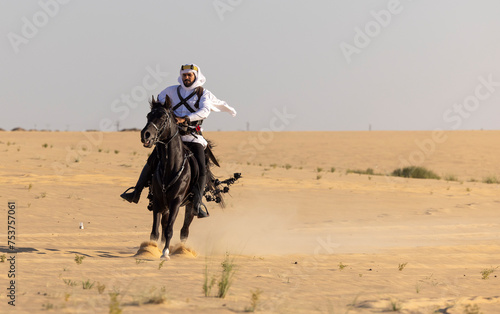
[(187, 83)]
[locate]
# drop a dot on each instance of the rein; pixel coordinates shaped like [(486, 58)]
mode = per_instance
[(177, 176), (165, 144), (160, 130)]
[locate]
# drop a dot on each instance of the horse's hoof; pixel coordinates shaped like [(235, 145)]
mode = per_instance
[(165, 258), (165, 254)]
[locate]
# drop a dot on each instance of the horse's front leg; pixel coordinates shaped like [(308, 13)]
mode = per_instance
[(168, 224), (155, 232), (188, 219)]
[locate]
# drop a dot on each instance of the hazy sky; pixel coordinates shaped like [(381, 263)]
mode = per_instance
[(284, 65)]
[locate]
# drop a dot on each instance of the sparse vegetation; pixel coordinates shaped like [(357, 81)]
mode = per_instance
[(273, 166), (48, 306), (161, 265), (395, 306), (42, 195), (208, 284), (100, 287), (70, 282), (45, 145), (450, 177), (87, 285), (79, 258), (415, 172), (66, 296), (254, 301), (332, 169), (116, 151), (472, 309), (30, 186), (228, 269), (287, 166), (153, 297), (342, 266), (368, 171), (319, 169), (114, 303), (318, 177), (491, 180), (485, 273), (2, 258), (139, 261), (402, 266)]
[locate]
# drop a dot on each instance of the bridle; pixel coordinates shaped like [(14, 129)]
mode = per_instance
[(161, 129), (156, 140)]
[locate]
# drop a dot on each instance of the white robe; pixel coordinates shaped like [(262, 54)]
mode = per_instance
[(208, 103)]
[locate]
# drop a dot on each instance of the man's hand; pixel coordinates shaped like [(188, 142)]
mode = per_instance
[(180, 120)]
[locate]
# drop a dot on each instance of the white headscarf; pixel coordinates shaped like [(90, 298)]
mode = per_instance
[(215, 104), (200, 78)]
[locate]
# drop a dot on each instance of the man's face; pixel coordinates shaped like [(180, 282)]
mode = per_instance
[(188, 78)]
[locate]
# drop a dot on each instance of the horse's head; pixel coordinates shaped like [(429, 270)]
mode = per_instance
[(161, 122)]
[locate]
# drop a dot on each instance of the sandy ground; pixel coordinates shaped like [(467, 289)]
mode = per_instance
[(307, 238)]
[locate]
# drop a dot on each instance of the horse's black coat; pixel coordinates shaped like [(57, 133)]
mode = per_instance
[(174, 172)]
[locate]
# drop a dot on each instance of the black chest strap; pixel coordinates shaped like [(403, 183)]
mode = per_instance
[(183, 101)]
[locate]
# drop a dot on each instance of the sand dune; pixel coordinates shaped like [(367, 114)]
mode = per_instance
[(309, 238)]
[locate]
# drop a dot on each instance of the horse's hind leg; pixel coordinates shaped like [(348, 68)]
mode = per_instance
[(188, 218), (155, 232)]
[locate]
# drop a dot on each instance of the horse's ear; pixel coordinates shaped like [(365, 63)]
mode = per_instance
[(152, 101), (168, 103)]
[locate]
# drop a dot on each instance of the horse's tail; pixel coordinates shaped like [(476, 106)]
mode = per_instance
[(212, 191)]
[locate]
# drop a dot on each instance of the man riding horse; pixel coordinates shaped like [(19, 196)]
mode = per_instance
[(192, 104)]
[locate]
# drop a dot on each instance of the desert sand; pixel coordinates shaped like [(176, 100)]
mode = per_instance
[(306, 235)]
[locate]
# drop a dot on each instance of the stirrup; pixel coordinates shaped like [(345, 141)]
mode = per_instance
[(129, 196), (202, 213)]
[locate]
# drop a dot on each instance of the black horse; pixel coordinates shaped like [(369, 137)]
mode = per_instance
[(175, 173)]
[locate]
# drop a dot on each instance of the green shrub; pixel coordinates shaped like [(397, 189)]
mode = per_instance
[(450, 177), (228, 269), (491, 180), (415, 172)]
